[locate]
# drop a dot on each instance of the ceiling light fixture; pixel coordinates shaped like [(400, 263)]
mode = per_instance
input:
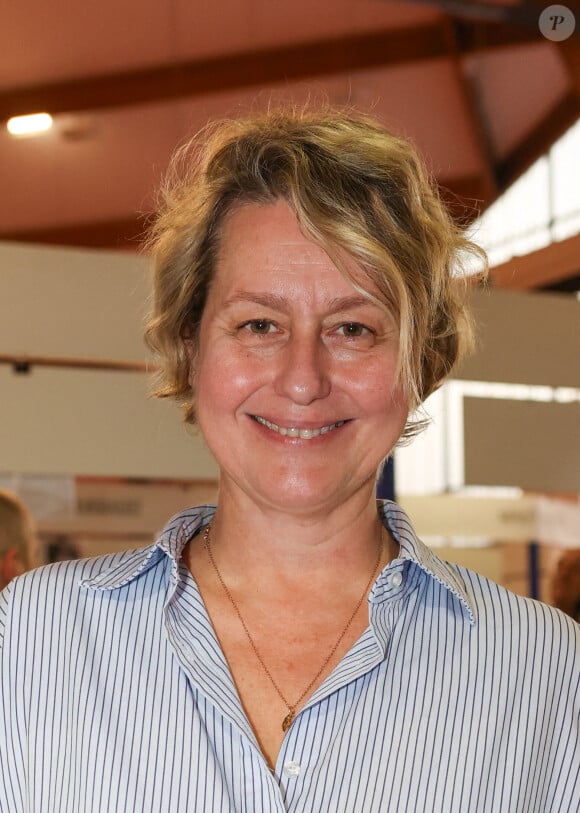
[(29, 125)]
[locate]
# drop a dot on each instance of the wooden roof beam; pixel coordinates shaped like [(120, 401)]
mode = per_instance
[(540, 269), (570, 52), (255, 68), (478, 123), (123, 233)]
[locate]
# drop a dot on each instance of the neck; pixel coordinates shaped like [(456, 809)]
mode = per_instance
[(262, 546)]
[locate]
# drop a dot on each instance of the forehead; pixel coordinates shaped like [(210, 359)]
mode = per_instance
[(263, 245)]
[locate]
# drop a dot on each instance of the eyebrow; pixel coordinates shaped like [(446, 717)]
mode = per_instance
[(281, 303)]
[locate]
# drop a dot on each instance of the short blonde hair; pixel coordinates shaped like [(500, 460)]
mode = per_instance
[(357, 190), (17, 528)]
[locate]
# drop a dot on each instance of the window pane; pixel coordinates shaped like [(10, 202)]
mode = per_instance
[(565, 164)]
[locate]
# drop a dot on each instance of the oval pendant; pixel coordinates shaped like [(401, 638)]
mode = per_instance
[(287, 721)]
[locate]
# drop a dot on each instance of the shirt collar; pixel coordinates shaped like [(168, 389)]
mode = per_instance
[(130, 565), (412, 549), (183, 526)]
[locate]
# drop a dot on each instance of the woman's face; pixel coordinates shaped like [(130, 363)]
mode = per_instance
[(294, 372)]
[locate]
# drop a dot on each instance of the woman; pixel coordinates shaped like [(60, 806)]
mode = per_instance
[(295, 648)]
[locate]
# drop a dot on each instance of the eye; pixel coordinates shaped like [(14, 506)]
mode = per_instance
[(353, 330), (260, 327)]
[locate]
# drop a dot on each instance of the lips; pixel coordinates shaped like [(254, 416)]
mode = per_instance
[(298, 432)]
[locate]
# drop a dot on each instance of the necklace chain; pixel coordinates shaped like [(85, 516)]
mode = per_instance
[(286, 723)]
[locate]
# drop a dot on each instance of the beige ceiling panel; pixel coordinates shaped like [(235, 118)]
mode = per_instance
[(303, 21), (531, 445), (162, 33), (45, 42), (90, 167), (516, 89), (422, 101), (525, 338), (95, 424)]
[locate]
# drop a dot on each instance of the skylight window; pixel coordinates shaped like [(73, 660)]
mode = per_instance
[(541, 207)]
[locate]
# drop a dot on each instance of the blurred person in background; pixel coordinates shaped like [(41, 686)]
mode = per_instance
[(18, 540), (566, 584)]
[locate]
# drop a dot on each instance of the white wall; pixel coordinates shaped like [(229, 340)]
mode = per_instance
[(84, 305)]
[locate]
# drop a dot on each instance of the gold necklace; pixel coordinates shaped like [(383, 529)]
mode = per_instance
[(287, 721)]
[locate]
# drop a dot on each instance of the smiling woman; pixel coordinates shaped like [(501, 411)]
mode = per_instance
[(296, 647), (359, 194)]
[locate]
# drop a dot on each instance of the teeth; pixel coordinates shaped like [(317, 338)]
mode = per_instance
[(294, 432)]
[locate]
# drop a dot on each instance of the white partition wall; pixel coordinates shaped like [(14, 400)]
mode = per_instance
[(525, 338), (72, 303), (530, 444), (84, 305), (89, 422)]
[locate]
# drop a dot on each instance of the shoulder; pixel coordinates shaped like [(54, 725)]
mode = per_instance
[(492, 609), (76, 572), (51, 595), (519, 620), (48, 592)]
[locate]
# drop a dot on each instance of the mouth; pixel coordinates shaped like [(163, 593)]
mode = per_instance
[(297, 432)]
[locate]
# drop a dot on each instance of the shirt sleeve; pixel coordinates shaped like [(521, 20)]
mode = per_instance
[(12, 772), (4, 595)]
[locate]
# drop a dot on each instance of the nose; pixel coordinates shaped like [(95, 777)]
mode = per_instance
[(303, 374)]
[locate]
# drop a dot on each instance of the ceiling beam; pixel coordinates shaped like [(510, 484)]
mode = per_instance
[(544, 268), (479, 128), (570, 52), (255, 68), (124, 233), (252, 68), (465, 198), (481, 36)]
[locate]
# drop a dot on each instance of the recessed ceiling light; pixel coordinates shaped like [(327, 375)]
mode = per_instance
[(29, 125)]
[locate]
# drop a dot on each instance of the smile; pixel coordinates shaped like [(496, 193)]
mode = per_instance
[(294, 432)]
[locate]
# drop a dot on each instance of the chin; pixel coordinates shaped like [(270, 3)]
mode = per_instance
[(301, 495)]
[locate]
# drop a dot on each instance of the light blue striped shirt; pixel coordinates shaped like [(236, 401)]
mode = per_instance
[(115, 696)]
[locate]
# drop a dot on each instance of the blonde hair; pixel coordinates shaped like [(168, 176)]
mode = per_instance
[(17, 528), (357, 190)]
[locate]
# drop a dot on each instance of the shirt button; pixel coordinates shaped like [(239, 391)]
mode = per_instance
[(292, 768), (396, 579)]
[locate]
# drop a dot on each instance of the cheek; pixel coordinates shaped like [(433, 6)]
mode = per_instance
[(227, 378), (374, 387), (390, 407)]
